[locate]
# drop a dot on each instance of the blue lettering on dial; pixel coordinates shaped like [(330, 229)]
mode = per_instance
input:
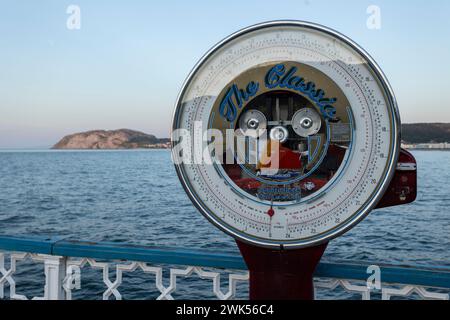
[(278, 77), (234, 98)]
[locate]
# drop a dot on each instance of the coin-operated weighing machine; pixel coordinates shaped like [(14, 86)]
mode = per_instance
[(285, 135)]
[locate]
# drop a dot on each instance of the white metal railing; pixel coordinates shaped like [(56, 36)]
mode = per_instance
[(63, 274)]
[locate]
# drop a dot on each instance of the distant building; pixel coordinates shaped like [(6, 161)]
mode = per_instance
[(427, 146), (166, 145)]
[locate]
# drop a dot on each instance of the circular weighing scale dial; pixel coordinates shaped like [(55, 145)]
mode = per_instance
[(340, 128)]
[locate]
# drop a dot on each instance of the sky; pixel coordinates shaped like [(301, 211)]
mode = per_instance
[(125, 64)]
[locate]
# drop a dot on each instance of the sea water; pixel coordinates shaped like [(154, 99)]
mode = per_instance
[(135, 197)]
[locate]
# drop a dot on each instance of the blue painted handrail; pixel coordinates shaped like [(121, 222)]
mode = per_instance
[(61, 246)]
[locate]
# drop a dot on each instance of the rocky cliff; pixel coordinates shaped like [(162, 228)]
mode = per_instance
[(111, 139)]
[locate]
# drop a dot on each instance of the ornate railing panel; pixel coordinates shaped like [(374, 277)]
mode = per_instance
[(64, 260)]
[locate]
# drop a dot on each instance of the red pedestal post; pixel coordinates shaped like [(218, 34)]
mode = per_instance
[(281, 274)]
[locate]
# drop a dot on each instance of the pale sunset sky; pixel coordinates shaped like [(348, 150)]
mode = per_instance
[(125, 65)]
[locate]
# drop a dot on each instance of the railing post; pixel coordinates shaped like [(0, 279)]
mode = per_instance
[(55, 271)]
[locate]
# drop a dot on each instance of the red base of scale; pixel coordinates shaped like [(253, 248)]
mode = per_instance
[(281, 274)]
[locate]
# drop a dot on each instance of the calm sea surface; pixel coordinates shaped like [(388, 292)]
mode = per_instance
[(135, 197)]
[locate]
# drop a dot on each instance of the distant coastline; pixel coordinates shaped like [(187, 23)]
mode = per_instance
[(110, 140), (415, 136), (445, 146), (426, 136)]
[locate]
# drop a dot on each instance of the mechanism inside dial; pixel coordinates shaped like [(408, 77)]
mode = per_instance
[(288, 152)]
